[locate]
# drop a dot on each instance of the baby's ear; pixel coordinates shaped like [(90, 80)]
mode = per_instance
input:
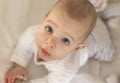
[(80, 46)]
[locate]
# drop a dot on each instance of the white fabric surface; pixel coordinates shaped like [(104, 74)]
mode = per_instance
[(112, 79), (114, 66), (99, 43), (87, 78), (112, 9)]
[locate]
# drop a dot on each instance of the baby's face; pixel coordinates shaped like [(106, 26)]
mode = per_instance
[(58, 36)]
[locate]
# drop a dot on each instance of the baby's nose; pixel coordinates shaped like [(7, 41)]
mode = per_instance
[(51, 43)]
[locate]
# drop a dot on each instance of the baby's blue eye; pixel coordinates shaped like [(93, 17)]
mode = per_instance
[(49, 29), (66, 41)]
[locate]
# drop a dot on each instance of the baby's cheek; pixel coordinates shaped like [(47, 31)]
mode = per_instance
[(41, 37)]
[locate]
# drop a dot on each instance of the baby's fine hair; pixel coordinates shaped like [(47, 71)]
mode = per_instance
[(80, 10)]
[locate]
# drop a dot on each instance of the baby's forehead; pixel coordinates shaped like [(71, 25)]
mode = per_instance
[(77, 32), (75, 28)]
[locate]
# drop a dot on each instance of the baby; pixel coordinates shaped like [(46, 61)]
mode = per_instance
[(58, 43)]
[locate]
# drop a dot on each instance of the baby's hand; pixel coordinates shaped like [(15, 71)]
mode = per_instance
[(15, 72), (99, 5)]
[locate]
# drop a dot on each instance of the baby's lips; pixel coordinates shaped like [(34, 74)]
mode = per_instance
[(45, 52)]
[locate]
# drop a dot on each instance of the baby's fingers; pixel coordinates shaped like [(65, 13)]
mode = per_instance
[(22, 77), (13, 78), (6, 78), (25, 75)]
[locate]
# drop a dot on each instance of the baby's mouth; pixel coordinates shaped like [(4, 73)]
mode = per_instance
[(45, 52)]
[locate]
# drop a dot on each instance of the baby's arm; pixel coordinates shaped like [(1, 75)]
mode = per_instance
[(14, 72), (21, 57)]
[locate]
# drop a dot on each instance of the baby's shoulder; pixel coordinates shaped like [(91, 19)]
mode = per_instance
[(32, 29), (28, 36), (30, 32)]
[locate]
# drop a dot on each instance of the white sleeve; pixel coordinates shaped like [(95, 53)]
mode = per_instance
[(23, 53)]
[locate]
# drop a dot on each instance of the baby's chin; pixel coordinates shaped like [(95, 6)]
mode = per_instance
[(44, 59)]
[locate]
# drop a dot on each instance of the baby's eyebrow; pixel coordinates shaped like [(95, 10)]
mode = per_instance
[(70, 36), (53, 23)]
